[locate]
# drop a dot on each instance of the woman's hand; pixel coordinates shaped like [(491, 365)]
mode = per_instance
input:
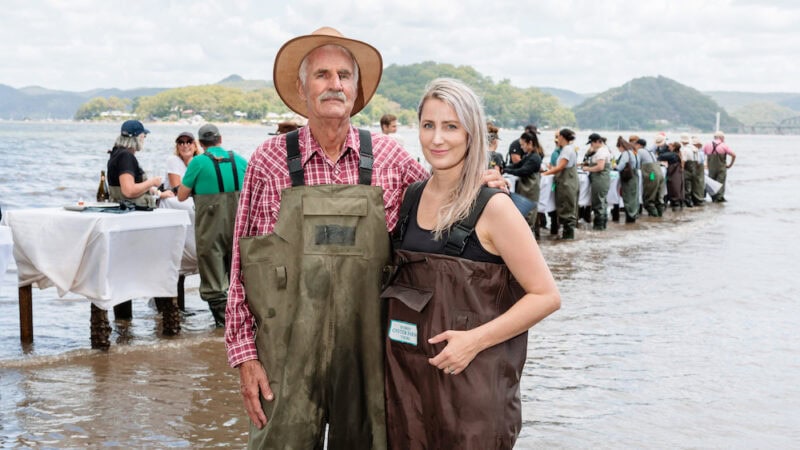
[(166, 194), (461, 349)]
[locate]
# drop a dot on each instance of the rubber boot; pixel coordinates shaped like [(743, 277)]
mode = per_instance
[(217, 308), (615, 213), (170, 315), (629, 219), (542, 220), (598, 223), (553, 223), (100, 328), (569, 232)]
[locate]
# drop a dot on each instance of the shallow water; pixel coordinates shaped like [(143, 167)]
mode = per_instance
[(677, 332)]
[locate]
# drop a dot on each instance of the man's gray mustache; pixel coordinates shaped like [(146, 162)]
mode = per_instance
[(333, 95)]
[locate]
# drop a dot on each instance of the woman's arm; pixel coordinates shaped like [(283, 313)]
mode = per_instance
[(597, 167), (174, 179), (561, 165), (132, 189), (502, 230)]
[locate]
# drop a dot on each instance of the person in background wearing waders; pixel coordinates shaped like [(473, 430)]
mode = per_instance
[(496, 160), (126, 179), (128, 183), (674, 175), (469, 283), (566, 181), (691, 166), (628, 168), (699, 182), (515, 151), (598, 167), (716, 152), (214, 180), (553, 161), (527, 169), (652, 179)]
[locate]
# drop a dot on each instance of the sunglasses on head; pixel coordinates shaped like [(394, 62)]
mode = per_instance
[(185, 142)]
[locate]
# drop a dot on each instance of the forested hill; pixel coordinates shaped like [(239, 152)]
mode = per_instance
[(506, 105), (650, 103)]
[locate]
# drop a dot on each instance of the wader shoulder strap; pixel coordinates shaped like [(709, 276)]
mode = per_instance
[(457, 239), (296, 165), (293, 158), (216, 160), (411, 197), (365, 158)]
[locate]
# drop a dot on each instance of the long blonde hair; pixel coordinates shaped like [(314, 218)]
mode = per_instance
[(469, 109)]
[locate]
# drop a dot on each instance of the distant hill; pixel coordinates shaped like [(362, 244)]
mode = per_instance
[(35, 102), (650, 103), (568, 98), (237, 82), (732, 100), (763, 112)]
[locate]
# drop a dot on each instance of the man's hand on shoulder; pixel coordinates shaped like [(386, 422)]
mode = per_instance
[(494, 179)]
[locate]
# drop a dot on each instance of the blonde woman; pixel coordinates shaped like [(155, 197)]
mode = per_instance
[(186, 148), (470, 282)]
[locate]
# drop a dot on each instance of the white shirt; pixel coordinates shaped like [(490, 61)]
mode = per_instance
[(174, 165)]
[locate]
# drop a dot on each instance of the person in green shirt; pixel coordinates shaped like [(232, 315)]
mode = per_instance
[(214, 179)]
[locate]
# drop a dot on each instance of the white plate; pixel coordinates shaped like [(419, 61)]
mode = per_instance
[(77, 207)]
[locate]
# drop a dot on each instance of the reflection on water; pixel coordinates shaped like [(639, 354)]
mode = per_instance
[(673, 333)]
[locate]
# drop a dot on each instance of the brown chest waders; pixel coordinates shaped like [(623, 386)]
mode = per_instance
[(313, 286), (427, 408)]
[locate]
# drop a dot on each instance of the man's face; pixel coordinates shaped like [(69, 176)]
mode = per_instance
[(391, 128), (330, 88)]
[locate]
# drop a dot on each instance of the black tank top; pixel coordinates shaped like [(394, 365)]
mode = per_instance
[(419, 240)]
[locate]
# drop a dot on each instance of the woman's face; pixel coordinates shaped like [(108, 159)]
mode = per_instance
[(561, 141), (442, 136), (527, 146), (596, 145), (186, 148)]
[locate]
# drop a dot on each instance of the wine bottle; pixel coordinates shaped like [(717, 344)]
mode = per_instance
[(102, 191)]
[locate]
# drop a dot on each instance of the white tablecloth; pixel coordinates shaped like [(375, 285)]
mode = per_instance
[(6, 248), (189, 259), (108, 258)]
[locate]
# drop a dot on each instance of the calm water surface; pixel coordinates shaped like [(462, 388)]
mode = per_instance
[(673, 333)]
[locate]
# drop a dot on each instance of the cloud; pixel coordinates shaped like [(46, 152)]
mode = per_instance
[(581, 45)]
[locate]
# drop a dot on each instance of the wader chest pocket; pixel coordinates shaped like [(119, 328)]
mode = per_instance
[(415, 299), (330, 224)]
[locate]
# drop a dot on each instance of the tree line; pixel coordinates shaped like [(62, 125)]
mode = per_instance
[(399, 92)]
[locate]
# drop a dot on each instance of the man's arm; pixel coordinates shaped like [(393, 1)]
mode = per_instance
[(239, 335)]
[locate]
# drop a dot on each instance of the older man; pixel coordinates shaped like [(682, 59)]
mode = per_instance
[(303, 322), (716, 153)]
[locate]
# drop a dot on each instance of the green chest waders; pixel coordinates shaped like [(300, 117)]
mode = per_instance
[(718, 170), (215, 215), (567, 187), (478, 409), (651, 186), (600, 183), (313, 286), (146, 200)]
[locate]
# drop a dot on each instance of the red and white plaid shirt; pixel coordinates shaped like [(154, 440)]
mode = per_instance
[(267, 175)]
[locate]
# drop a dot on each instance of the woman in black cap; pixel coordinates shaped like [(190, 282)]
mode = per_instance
[(186, 148), (597, 164), (126, 179)]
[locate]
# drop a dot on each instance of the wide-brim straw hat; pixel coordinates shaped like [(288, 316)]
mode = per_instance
[(287, 66)]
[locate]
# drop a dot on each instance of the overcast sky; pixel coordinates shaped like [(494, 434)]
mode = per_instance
[(585, 46)]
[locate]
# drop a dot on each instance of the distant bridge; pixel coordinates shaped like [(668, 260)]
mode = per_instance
[(786, 126)]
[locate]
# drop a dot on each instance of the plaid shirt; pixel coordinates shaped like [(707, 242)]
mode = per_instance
[(267, 175)]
